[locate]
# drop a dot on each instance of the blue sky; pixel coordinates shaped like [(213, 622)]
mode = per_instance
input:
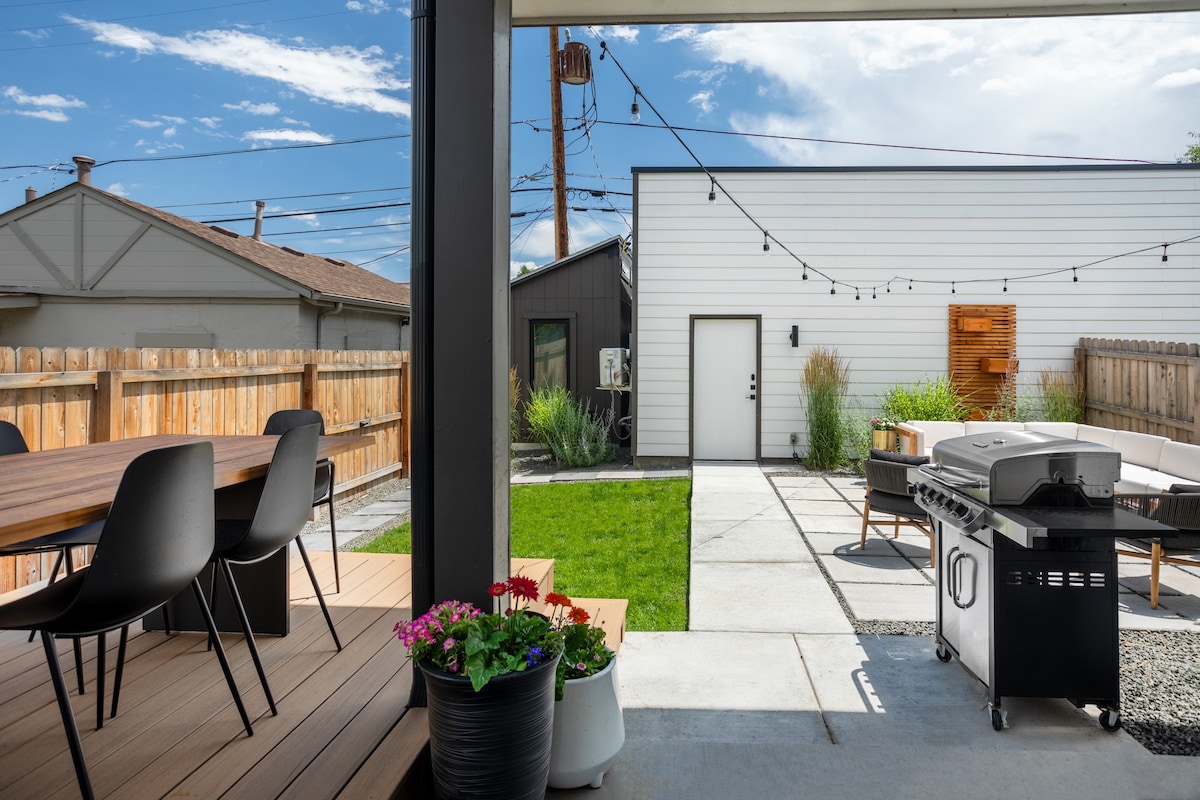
[(152, 92)]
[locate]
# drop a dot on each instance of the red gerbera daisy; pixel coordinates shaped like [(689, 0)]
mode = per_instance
[(498, 589), (557, 599), (523, 588), (578, 615)]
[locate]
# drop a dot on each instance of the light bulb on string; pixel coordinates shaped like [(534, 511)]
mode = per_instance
[(1006, 284), (910, 284), (766, 244), (952, 289), (889, 287), (1074, 277), (832, 288), (635, 112), (712, 193), (804, 274), (857, 296), (873, 297), (1164, 258)]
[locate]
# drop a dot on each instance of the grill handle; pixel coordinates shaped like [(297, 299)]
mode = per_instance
[(956, 579), (952, 476)]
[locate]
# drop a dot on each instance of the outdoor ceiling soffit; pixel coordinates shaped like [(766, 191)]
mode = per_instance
[(608, 12)]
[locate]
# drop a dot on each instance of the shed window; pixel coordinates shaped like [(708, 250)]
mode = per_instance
[(549, 353)]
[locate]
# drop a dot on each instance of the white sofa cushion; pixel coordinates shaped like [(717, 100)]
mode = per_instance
[(1181, 459), (1137, 479), (1068, 430), (930, 432), (1090, 433), (1143, 449)]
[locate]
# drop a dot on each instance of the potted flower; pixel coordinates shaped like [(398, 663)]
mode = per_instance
[(589, 730), (883, 433), (490, 681)]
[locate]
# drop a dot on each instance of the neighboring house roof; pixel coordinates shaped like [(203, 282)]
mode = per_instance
[(330, 278), (537, 272)]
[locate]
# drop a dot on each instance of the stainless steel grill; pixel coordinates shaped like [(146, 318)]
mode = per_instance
[(1027, 579)]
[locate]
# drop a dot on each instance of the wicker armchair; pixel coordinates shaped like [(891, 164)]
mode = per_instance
[(1180, 509), (888, 493)]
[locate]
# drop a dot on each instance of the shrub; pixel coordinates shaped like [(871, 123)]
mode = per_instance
[(574, 434), (937, 399), (825, 379), (514, 412)]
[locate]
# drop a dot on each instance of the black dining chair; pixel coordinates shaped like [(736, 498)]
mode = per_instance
[(157, 539), (323, 479), (282, 510), (12, 442)]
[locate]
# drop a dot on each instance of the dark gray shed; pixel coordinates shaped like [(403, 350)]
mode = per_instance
[(563, 313)]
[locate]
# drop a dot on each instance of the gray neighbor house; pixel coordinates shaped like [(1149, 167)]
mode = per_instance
[(84, 267), (564, 313)]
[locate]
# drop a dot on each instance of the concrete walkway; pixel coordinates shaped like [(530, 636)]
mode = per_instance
[(771, 694)]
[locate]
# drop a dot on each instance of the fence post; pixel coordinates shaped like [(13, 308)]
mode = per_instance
[(308, 386), (109, 399), (1081, 387)]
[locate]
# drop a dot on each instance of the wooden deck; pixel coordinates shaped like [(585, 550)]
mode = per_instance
[(177, 733)]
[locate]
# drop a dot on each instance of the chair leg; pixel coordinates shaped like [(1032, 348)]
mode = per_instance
[(337, 575), (100, 648), (58, 562), (862, 542), (227, 572), (68, 717), (120, 672), (1155, 567), (213, 637), (320, 597)]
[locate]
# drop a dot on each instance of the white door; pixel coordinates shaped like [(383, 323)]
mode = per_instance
[(725, 389)]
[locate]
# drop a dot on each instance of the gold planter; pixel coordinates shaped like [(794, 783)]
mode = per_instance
[(884, 440)]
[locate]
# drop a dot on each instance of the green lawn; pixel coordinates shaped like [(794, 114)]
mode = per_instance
[(607, 538)]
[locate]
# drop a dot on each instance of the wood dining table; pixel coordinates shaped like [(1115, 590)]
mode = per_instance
[(53, 490)]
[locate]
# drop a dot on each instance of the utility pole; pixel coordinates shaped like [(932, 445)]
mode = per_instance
[(561, 246)]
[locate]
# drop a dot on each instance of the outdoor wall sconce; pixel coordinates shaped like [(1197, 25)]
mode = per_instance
[(795, 336)]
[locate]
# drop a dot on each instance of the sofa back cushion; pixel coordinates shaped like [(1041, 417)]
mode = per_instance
[(1143, 449), (1067, 430), (1090, 433), (1181, 460), (933, 431)]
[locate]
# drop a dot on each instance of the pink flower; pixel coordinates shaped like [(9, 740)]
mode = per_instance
[(449, 645)]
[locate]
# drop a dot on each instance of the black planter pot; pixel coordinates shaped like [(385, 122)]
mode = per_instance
[(494, 743)]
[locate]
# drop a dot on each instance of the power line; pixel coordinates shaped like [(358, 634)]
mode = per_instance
[(271, 148), (134, 16), (287, 197), (306, 213)]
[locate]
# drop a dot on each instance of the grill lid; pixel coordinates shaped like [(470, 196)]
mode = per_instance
[(1008, 467)]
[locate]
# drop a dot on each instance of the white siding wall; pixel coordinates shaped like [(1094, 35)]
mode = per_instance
[(867, 227)]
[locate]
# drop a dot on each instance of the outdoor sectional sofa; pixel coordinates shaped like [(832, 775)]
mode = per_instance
[(1149, 463)]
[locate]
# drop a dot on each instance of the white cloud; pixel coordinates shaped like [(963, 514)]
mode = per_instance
[(146, 123), (344, 76), (703, 101), (514, 267), (172, 120), (169, 132), (1065, 86), (1175, 80), (627, 34), (286, 135), (209, 122), (370, 7), (49, 115), (46, 106), (260, 109), (117, 189)]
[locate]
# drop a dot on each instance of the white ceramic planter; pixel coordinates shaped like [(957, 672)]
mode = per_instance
[(589, 730)]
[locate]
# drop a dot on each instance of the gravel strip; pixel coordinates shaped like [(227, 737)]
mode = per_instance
[(373, 495)]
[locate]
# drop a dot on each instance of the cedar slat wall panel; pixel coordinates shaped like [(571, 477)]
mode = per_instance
[(971, 343), (1150, 387), (63, 416)]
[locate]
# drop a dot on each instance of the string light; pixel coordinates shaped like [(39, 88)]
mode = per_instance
[(712, 193), (856, 295), (636, 118)]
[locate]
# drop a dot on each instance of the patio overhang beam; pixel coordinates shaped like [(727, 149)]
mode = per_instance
[(533, 13)]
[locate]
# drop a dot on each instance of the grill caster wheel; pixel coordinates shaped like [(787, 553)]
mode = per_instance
[(943, 655), (997, 720), (1110, 720)]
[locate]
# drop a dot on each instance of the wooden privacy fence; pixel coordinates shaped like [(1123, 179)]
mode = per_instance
[(61, 397), (1150, 387)]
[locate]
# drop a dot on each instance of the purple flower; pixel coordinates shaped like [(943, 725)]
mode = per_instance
[(449, 645), (534, 656)]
